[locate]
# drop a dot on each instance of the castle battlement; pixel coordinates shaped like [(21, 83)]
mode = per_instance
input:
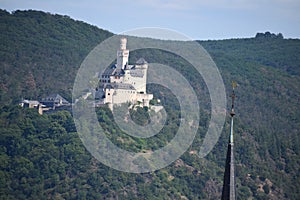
[(124, 83)]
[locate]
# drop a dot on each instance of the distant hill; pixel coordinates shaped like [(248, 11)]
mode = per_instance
[(42, 156), (40, 53)]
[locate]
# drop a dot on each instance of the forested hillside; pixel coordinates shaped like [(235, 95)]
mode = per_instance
[(42, 156), (41, 52)]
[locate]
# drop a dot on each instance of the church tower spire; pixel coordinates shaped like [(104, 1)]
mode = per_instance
[(229, 188)]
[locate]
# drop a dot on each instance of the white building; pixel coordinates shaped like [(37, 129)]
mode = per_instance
[(123, 83)]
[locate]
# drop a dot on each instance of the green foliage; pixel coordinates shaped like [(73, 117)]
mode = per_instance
[(140, 115), (40, 53), (42, 157), (268, 35)]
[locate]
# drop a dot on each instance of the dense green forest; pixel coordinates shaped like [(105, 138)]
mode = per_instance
[(37, 47), (42, 156)]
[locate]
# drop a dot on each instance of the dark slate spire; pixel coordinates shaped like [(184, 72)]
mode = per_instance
[(228, 192)]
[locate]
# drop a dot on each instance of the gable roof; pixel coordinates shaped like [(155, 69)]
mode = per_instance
[(112, 71), (32, 102), (141, 61), (120, 86)]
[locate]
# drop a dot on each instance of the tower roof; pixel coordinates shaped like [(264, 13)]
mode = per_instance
[(229, 188), (141, 61), (228, 192)]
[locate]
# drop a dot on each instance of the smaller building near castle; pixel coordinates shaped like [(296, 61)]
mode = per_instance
[(124, 83)]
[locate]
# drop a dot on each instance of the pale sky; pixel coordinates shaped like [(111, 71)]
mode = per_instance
[(198, 19)]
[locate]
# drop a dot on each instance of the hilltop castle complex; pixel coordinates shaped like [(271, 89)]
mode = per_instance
[(124, 83)]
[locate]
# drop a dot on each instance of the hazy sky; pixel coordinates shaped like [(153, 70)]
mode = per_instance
[(198, 19)]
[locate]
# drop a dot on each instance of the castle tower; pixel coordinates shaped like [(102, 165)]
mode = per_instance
[(122, 54), (229, 188)]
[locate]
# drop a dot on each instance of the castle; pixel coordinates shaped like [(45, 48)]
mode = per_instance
[(124, 83)]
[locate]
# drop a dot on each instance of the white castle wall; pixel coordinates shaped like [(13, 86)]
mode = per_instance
[(123, 95), (138, 82), (109, 95), (136, 76)]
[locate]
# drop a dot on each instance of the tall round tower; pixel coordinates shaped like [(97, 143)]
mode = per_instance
[(122, 54), (123, 42)]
